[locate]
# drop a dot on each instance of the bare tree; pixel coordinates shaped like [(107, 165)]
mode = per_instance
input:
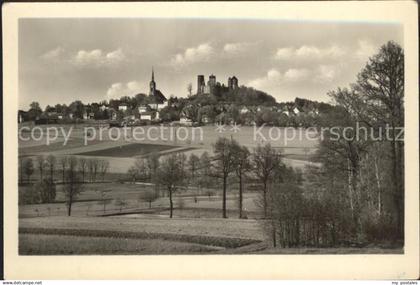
[(120, 203), (381, 85), (93, 168), (83, 165), (51, 162), (171, 174), (265, 159), (28, 168), (103, 168), (63, 161), (243, 165), (73, 185), (224, 150), (47, 190), (104, 200), (193, 165), (40, 164), (152, 165), (149, 196)]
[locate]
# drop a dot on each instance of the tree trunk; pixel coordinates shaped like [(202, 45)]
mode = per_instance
[(265, 199), (69, 208), (378, 183), (52, 174), (171, 205), (240, 196), (224, 196), (397, 197)]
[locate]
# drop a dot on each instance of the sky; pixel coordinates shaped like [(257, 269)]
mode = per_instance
[(62, 60)]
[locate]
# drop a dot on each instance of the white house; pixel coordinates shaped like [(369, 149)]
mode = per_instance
[(185, 121), (142, 109), (162, 105), (122, 107), (296, 110), (146, 116), (243, 110)]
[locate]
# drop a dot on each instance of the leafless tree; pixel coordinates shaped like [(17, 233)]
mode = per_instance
[(40, 165), (224, 150), (243, 165), (265, 159), (83, 165), (103, 168), (149, 196), (73, 186), (51, 162), (171, 175), (28, 168), (63, 161)]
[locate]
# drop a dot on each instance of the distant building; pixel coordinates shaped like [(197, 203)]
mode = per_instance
[(142, 109), (244, 110), (22, 116), (232, 83), (201, 84), (158, 100), (146, 116), (123, 107), (212, 84)]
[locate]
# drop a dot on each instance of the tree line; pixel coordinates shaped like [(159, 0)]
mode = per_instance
[(70, 171)]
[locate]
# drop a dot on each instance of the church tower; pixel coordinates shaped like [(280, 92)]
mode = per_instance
[(152, 84)]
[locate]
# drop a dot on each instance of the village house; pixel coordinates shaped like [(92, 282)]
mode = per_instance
[(244, 110), (122, 107), (147, 116)]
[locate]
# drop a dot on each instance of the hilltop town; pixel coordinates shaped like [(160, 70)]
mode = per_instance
[(213, 102)]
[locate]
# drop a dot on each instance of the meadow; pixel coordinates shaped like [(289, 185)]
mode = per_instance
[(110, 217)]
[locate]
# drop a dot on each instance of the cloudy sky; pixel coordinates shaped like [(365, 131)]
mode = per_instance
[(61, 60)]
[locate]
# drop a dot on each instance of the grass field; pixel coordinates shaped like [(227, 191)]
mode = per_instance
[(129, 150), (38, 244), (180, 235), (95, 228)]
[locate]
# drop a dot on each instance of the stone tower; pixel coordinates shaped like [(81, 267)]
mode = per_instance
[(200, 84)]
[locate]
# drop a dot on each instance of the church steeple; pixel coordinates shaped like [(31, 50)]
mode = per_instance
[(152, 84)]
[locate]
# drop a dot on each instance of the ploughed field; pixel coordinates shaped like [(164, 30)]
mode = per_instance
[(140, 235), (121, 153)]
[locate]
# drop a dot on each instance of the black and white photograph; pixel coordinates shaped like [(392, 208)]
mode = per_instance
[(145, 136)]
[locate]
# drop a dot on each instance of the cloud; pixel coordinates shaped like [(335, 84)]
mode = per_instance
[(294, 74), (54, 54), (200, 53), (365, 49), (237, 48), (98, 58), (273, 77), (284, 53), (117, 90), (309, 52), (85, 58), (326, 73)]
